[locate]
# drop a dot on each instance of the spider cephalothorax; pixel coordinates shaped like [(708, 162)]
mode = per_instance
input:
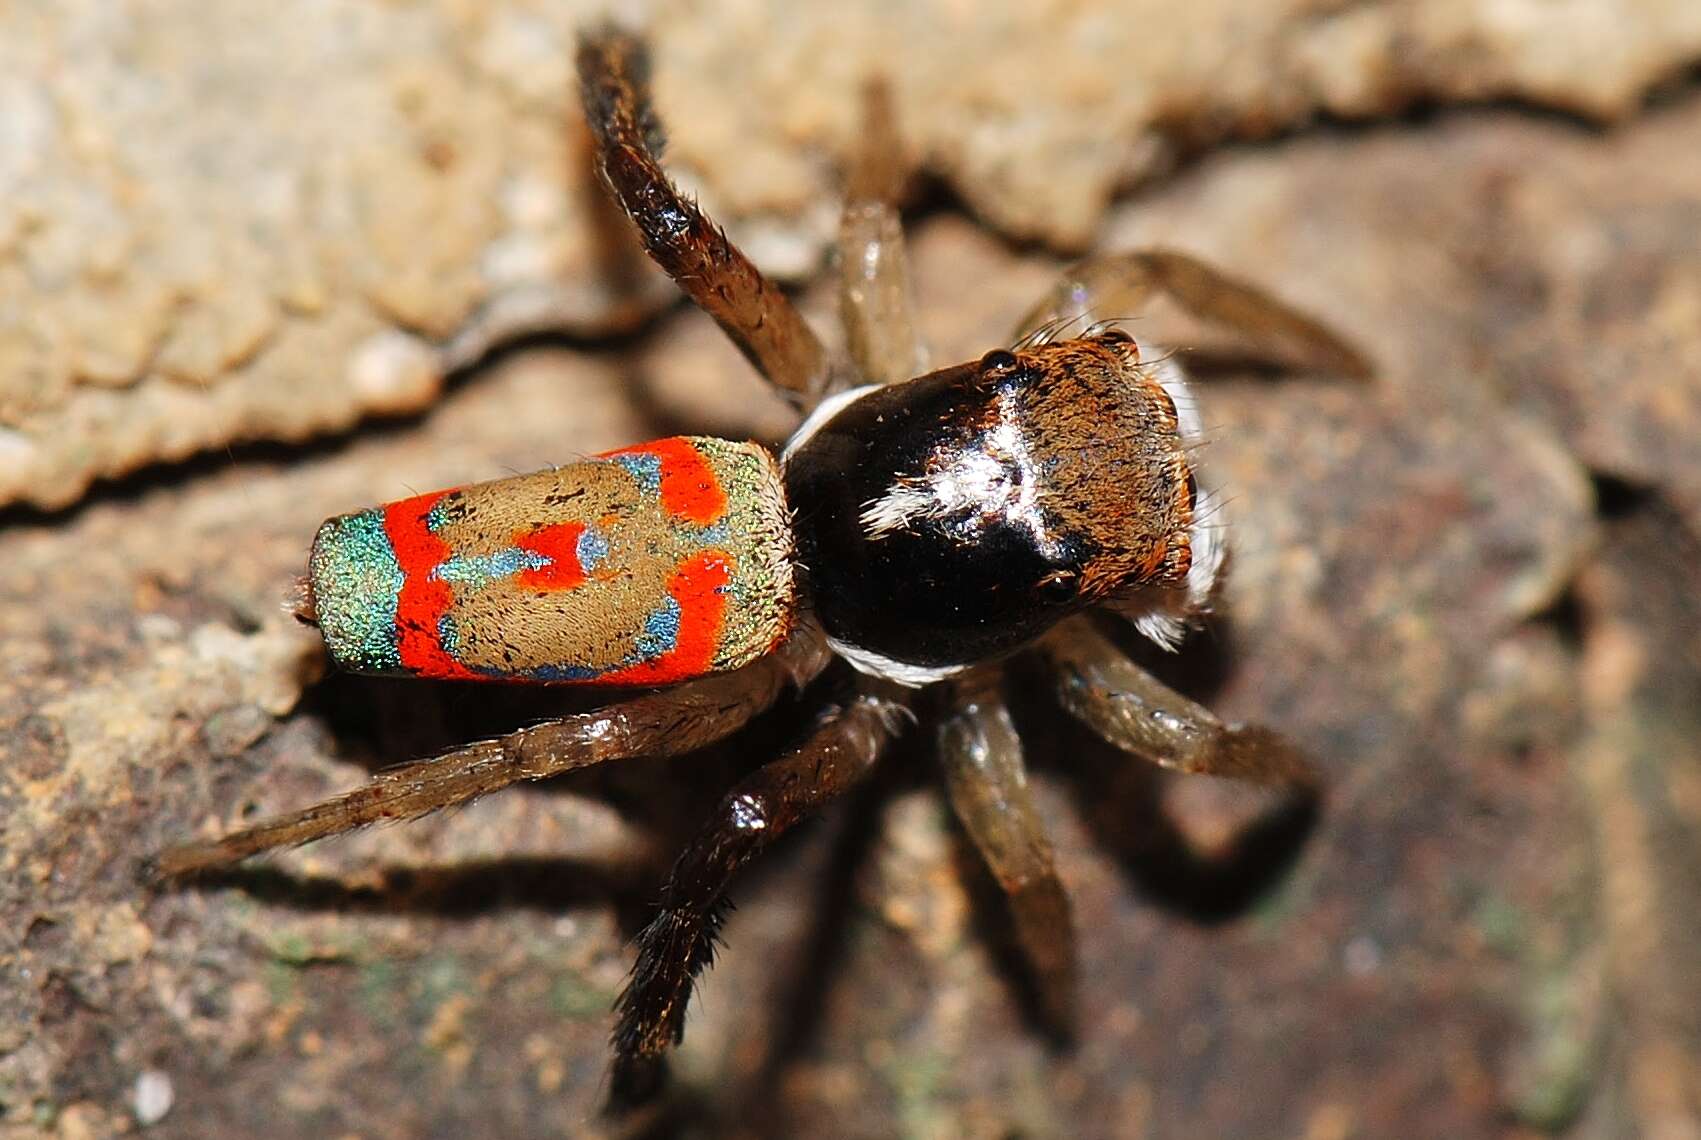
[(911, 529), (952, 519)]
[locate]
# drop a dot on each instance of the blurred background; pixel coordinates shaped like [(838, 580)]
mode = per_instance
[(264, 264)]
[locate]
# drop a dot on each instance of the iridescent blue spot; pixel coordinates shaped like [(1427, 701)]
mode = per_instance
[(483, 569), (448, 636), (438, 516), (661, 632), (563, 673), (646, 469), (591, 548), (717, 535)]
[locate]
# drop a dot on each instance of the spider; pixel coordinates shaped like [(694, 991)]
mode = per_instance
[(916, 531)]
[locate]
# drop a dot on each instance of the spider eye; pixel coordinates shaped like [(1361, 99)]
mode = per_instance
[(1115, 335), (998, 364), (1058, 588)]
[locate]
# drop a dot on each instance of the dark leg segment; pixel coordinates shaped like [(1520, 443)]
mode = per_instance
[(615, 87), (657, 724), (679, 943), (982, 758), (1120, 285), (875, 298), (1131, 709)]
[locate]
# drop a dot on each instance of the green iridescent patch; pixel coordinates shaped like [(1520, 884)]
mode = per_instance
[(356, 584)]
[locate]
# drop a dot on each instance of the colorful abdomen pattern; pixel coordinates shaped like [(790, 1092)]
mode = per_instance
[(644, 566)]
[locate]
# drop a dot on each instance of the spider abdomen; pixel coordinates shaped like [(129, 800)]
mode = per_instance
[(648, 565)]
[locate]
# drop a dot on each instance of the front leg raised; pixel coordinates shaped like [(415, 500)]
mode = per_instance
[(1120, 285), (987, 781), (614, 80)]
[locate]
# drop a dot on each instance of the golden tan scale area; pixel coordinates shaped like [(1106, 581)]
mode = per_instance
[(512, 615)]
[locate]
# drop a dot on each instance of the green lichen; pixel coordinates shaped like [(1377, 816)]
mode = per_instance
[(579, 1000)]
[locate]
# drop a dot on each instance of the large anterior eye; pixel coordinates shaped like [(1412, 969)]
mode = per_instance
[(1058, 588), (998, 364)]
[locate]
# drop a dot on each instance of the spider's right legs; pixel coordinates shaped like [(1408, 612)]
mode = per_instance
[(875, 297), (1131, 709), (1119, 285), (614, 84), (663, 723), (679, 942), (982, 758)]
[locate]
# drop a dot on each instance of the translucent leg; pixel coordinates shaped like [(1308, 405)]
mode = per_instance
[(1121, 285), (982, 759), (875, 297), (1131, 709)]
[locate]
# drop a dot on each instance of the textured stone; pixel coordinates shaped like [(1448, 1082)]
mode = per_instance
[(215, 222), (1482, 937)]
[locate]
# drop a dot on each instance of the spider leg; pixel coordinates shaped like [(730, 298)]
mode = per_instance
[(679, 943), (1121, 284), (614, 82), (662, 723), (875, 297), (1136, 712), (984, 774)]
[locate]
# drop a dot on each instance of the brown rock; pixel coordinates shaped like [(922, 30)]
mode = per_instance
[(1484, 933), (215, 225)]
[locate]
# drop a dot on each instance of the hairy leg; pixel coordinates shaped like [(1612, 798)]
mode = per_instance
[(1120, 285), (982, 758), (875, 298), (615, 87), (663, 723), (1127, 706), (679, 943)]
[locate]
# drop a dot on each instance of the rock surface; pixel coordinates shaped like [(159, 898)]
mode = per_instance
[(222, 225), (1468, 588)]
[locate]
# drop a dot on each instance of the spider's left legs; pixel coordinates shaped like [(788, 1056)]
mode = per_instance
[(988, 785), (1119, 285), (614, 81), (679, 942), (662, 723), (875, 297), (1127, 706)]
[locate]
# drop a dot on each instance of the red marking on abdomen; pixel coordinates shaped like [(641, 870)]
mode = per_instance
[(423, 600), (558, 542), (697, 586), (689, 489)]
